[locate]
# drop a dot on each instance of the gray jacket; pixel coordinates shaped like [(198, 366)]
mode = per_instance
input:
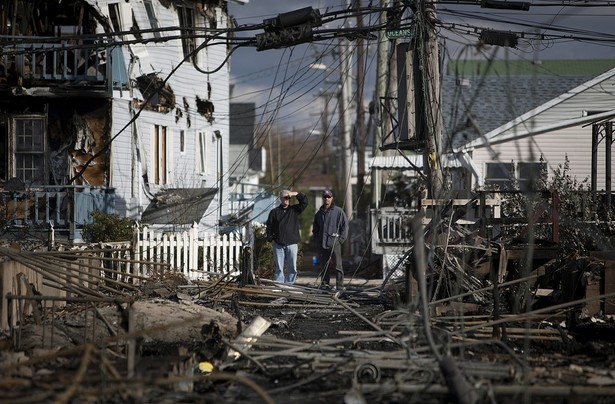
[(330, 226)]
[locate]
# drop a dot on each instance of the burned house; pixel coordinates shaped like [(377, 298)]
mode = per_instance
[(106, 105)]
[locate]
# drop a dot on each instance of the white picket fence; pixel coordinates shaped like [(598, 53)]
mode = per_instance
[(193, 256)]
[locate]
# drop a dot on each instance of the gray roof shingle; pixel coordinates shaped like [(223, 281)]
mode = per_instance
[(480, 97)]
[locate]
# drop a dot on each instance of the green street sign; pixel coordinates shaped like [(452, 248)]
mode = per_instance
[(399, 33)]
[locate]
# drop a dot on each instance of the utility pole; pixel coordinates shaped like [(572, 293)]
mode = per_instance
[(427, 45), (325, 123), (384, 73), (360, 132), (345, 127)]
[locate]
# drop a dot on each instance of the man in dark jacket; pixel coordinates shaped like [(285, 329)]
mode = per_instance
[(283, 232), (330, 230)]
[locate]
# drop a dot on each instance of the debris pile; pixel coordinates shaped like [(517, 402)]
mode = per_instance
[(488, 328)]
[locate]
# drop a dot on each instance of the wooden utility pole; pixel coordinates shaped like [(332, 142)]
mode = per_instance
[(360, 132), (345, 127), (381, 59), (427, 45), (386, 75)]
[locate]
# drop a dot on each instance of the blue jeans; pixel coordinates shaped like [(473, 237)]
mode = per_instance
[(285, 254)]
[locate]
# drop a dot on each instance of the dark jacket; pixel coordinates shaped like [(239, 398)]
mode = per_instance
[(283, 224), (330, 225)]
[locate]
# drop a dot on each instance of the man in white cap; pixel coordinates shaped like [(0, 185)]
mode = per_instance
[(283, 232), (330, 229)]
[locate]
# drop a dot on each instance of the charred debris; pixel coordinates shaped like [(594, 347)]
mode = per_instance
[(475, 321)]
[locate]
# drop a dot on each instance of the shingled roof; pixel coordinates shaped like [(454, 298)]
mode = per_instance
[(478, 96)]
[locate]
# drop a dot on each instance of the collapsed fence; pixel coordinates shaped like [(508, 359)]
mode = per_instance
[(95, 271)]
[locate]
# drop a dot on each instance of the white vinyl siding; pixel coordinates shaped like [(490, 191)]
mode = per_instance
[(574, 143), (132, 152)]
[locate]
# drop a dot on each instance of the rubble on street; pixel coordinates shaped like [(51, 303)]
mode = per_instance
[(543, 334)]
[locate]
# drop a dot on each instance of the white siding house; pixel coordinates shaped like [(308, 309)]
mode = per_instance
[(558, 129), (179, 140), (505, 119)]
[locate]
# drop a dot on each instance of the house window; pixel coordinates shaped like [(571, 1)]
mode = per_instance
[(115, 17), (186, 24), (526, 174), (500, 174), (29, 150), (202, 152), (529, 174), (160, 155), (149, 9), (182, 141)]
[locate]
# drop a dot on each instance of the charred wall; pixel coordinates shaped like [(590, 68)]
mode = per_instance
[(77, 132)]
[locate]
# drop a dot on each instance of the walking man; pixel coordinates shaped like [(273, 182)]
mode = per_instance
[(330, 230), (283, 232)]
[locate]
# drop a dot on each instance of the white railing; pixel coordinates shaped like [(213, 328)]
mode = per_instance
[(391, 226), (391, 229), (193, 256)]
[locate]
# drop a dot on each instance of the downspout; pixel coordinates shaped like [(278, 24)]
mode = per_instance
[(137, 160)]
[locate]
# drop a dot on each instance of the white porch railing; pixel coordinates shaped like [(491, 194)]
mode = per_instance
[(391, 230), (196, 258)]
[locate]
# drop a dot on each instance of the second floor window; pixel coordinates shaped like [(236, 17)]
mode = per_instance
[(149, 9), (186, 25), (115, 17)]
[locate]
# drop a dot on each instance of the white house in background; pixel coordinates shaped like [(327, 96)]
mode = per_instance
[(504, 126), (558, 128)]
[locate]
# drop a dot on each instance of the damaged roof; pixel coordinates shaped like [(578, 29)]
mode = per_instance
[(179, 206)]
